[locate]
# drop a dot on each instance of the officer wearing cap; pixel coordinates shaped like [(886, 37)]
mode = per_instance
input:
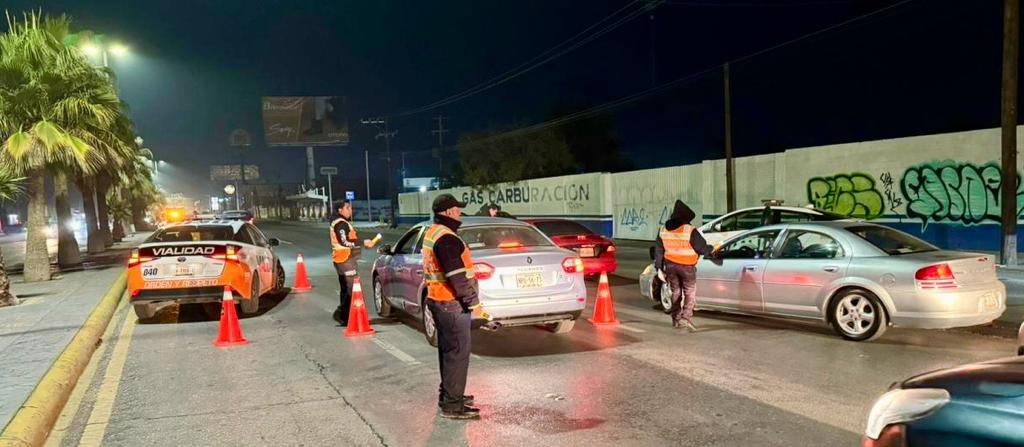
[(453, 302)]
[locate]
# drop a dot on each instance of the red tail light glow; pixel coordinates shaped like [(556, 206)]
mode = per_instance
[(510, 245), (135, 259), (572, 265), (938, 276), (611, 248), (230, 254), (483, 271)]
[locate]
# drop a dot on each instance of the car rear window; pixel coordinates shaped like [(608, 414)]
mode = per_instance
[(891, 241), (499, 236), (562, 228), (193, 233)]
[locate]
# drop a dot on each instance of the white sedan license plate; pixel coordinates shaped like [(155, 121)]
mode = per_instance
[(529, 280), (587, 252), (184, 270)]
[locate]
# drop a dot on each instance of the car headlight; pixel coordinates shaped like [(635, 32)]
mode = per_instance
[(904, 405)]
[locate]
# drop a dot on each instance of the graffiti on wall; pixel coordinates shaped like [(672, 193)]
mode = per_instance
[(951, 191), (891, 194), (638, 219), (851, 195)]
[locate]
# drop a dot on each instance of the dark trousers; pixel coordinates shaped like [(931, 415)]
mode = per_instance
[(453, 338), (683, 279), (346, 278)]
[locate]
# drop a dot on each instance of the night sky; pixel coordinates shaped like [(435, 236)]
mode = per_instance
[(198, 69)]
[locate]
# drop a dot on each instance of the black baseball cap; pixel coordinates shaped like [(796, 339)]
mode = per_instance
[(445, 201)]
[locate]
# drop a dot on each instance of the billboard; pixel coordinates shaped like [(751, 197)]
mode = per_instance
[(220, 173), (305, 120)]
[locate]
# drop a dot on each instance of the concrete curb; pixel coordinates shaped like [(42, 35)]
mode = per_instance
[(32, 423)]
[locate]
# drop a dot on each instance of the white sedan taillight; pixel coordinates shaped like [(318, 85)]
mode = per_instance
[(483, 271), (938, 276), (572, 265)]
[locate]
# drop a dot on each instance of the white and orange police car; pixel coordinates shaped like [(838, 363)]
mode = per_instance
[(192, 262)]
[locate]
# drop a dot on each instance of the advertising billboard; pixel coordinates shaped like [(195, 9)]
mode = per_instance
[(221, 173), (305, 120)]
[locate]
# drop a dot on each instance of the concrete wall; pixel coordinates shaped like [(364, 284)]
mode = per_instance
[(942, 187)]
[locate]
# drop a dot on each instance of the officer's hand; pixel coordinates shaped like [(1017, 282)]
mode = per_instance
[(479, 313), (368, 243)]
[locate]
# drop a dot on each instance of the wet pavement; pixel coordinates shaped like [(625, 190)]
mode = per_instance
[(737, 381)]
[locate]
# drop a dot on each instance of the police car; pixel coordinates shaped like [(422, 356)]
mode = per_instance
[(192, 262)]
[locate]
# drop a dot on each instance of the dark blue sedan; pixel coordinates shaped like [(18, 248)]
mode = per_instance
[(980, 404)]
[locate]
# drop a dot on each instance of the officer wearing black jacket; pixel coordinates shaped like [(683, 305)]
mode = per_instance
[(453, 302)]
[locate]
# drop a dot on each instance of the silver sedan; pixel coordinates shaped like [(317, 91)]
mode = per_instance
[(857, 277), (524, 278)]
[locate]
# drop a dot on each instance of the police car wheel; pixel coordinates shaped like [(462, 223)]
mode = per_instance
[(279, 278), (382, 305), (252, 305), (429, 330)]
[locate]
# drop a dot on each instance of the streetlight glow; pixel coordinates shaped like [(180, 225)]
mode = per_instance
[(423, 188), (91, 49), (118, 50)]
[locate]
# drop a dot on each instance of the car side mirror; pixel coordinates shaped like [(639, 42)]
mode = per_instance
[(274, 242), (651, 253), (385, 250)]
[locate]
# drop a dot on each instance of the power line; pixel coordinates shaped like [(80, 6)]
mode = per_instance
[(772, 4), (678, 81), (542, 58)]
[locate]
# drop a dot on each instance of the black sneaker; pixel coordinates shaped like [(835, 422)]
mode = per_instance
[(461, 413), (338, 317), (467, 399)]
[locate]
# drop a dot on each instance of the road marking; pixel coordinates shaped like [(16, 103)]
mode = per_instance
[(71, 409), (630, 329), (99, 418), (398, 353)]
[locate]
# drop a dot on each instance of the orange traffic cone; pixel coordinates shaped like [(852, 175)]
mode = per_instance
[(358, 319), (230, 333), (604, 310), (301, 280)]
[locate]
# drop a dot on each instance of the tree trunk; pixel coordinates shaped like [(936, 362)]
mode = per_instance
[(118, 230), (94, 237), (37, 258), (139, 215), (102, 209), (67, 246), (6, 297)]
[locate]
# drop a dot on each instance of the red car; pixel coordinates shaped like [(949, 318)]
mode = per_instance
[(598, 252)]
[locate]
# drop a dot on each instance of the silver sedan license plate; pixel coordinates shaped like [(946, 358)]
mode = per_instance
[(529, 280), (990, 302)]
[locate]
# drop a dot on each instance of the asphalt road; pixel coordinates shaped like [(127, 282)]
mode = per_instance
[(737, 381)]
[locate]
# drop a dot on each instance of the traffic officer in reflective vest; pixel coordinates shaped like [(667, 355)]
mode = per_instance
[(453, 302), (678, 248), (345, 252)]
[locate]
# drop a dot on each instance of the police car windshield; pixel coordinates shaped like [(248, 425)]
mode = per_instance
[(193, 233), (502, 236)]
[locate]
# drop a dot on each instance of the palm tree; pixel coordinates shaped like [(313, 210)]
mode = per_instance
[(10, 188), (45, 122)]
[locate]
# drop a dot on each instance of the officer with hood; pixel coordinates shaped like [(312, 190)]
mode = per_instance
[(678, 248)]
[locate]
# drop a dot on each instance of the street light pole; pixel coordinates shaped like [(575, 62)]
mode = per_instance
[(387, 134), (369, 205)]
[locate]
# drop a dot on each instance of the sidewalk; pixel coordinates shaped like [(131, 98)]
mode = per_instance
[(35, 332)]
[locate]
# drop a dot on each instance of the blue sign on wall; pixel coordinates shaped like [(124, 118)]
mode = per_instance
[(350, 195)]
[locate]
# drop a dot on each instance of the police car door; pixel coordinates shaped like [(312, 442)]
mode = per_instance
[(258, 256)]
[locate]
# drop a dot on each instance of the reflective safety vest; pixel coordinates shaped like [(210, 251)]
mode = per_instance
[(438, 287), (677, 245), (339, 251)]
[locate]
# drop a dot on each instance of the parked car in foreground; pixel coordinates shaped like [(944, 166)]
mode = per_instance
[(855, 276), (975, 405), (724, 227), (524, 278), (597, 251)]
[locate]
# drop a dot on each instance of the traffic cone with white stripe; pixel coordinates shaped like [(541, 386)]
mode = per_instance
[(604, 310), (301, 280), (230, 333), (358, 319)]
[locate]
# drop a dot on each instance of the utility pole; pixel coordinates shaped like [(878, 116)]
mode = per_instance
[(387, 135), (730, 179), (369, 204), (1011, 43), (440, 131)]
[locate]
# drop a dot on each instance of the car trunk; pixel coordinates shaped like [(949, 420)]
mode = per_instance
[(585, 245), (524, 272), (968, 268), (172, 260)]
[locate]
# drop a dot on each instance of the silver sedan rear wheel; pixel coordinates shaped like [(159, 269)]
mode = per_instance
[(858, 315), (429, 329), (666, 297)]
